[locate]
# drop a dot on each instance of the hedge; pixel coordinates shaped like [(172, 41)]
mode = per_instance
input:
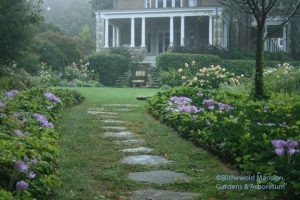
[(167, 61), (239, 130), (29, 146), (108, 66)]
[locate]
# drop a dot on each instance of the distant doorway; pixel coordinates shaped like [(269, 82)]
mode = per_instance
[(163, 41)]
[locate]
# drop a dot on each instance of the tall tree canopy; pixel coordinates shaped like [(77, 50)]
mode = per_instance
[(101, 4), (16, 18), (262, 11)]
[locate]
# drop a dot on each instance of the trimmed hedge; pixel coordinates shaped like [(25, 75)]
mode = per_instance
[(108, 66), (167, 61)]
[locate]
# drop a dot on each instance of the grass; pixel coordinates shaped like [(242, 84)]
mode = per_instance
[(91, 167)]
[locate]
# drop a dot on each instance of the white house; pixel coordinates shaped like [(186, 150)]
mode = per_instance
[(155, 25)]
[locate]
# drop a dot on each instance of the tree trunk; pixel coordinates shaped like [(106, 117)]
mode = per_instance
[(259, 88)]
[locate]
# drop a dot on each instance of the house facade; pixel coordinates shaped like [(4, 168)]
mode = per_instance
[(153, 26), (156, 25)]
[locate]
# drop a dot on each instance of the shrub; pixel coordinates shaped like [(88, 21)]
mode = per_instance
[(30, 141), (16, 79), (108, 66), (167, 61), (240, 130)]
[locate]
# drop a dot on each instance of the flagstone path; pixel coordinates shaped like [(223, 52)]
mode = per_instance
[(124, 136)]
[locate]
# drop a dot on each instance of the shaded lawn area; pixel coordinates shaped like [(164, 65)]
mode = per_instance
[(91, 165)]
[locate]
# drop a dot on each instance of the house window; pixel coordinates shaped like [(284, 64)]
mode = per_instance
[(192, 39), (169, 3), (192, 3), (148, 3), (160, 3), (177, 3)]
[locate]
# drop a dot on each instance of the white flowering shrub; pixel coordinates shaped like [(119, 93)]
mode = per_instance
[(80, 72), (208, 77), (284, 78)]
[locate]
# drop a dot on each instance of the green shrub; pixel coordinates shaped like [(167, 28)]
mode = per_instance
[(28, 136), (19, 79), (167, 61), (237, 128), (108, 66)]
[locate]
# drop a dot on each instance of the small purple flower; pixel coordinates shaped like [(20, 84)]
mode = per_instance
[(208, 102), (11, 93), (291, 151), (279, 144), (2, 105), (292, 144), (21, 166), (35, 161), (52, 97), (279, 151), (207, 122), (26, 159), (26, 133), (31, 175), (22, 185), (211, 107), (50, 107), (43, 120), (18, 132)]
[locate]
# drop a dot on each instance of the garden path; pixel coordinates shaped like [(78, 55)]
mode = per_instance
[(113, 149)]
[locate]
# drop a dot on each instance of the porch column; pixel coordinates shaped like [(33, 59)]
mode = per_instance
[(118, 37), (156, 3), (113, 36), (182, 31), (143, 36), (132, 44), (173, 3), (284, 38), (171, 31), (210, 35), (106, 33), (164, 3), (98, 32), (181, 3)]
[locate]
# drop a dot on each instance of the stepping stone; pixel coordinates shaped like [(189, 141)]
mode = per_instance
[(163, 195), (111, 121), (120, 105), (119, 134), (114, 127), (101, 112), (129, 141), (139, 149), (145, 160), (123, 109), (158, 176), (96, 109)]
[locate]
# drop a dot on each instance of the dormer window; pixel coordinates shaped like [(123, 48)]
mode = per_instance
[(192, 3), (160, 3), (169, 3), (147, 3)]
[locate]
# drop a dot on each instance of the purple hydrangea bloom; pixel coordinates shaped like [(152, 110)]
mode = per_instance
[(43, 120), (224, 107), (279, 144), (52, 97), (12, 93), (21, 166), (211, 107), (208, 102), (291, 151), (279, 151), (292, 144), (31, 175), (26, 133), (35, 161), (50, 107), (18, 132), (2, 105), (22, 185)]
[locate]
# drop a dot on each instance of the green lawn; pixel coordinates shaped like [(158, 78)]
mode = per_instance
[(91, 167)]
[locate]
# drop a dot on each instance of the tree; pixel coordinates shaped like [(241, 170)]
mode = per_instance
[(261, 11), (86, 41), (101, 4), (16, 19)]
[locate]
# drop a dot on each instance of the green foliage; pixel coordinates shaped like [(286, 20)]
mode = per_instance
[(86, 41), (16, 79), (241, 134), (108, 66), (40, 142), (101, 4), (167, 61), (16, 19)]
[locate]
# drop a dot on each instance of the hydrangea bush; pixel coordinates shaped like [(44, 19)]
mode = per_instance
[(257, 137), (29, 153)]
